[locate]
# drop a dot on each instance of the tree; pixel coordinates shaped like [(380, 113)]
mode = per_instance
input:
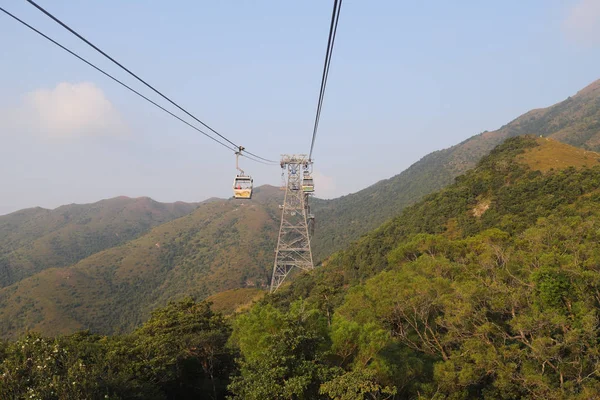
[(182, 348), (282, 354)]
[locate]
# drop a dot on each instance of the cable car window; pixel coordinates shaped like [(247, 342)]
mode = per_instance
[(243, 184)]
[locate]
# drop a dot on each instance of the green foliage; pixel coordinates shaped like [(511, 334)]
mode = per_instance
[(74, 367), (449, 302), (182, 348), (179, 353), (356, 385), (282, 354), (553, 287)]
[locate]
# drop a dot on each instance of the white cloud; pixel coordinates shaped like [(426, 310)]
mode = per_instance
[(325, 187), (68, 110), (583, 22)]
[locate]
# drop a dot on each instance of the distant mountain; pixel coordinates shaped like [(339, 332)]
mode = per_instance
[(575, 121), (222, 245), (35, 239)]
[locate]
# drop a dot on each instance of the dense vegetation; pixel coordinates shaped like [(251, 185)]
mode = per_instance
[(487, 289), (178, 354)]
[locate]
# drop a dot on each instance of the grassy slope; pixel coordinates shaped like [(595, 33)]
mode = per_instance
[(516, 187), (235, 300), (551, 154), (575, 121), (222, 245), (36, 239)]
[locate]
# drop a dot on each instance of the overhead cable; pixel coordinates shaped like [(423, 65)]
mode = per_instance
[(250, 157), (114, 79), (58, 21), (335, 15)]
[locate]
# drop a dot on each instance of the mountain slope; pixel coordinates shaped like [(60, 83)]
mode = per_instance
[(520, 183), (485, 289), (35, 239), (233, 301), (575, 121), (222, 245)]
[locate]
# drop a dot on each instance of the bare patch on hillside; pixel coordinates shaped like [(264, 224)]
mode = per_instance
[(481, 207), (235, 300)]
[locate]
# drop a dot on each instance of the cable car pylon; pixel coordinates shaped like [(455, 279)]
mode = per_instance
[(293, 244)]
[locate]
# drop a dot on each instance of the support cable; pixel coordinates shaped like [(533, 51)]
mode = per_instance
[(58, 21), (114, 79), (335, 15)]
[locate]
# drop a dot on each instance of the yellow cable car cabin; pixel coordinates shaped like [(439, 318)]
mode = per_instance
[(308, 186), (242, 187)]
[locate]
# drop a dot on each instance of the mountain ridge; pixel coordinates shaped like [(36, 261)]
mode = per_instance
[(34, 239), (574, 121), (221, 245)]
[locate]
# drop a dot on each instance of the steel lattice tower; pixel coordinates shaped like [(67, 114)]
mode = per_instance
[(293, 245)]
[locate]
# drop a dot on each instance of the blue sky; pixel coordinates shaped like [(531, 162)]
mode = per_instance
[(407, 78)]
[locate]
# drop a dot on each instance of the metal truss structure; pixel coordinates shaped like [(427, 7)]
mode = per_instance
[(293, 244)]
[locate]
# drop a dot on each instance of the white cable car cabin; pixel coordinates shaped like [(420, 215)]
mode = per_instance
[(242, 187), (242, 184)]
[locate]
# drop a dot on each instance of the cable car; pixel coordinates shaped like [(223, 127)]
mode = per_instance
[(308, 186), (242, 187), (242, 184)]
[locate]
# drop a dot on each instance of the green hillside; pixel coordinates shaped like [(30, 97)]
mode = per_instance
[(36, 239), (511, 189), (222, 245), (575, 121), (487, 289)]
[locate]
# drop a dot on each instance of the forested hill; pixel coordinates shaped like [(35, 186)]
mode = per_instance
[(486, 289), (575, 121), (223, 244), (35, 239)]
